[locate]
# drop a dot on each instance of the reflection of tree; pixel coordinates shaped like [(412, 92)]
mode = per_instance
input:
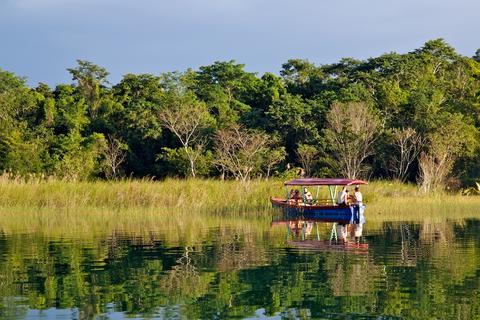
[(235, 253), (402, 275), (184, 281), (454, 263), (352, 276), (409, 249), (431, 232)]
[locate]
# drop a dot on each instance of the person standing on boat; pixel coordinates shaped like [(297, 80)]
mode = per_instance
[(358, 197), (343, 196)]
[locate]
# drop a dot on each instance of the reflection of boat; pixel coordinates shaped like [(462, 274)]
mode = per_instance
[(300, 229), (317, 208), (353, 247)]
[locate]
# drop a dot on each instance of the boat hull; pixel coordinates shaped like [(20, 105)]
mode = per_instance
[(339, 214)]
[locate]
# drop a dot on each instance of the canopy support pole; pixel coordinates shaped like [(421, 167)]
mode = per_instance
[(331, 194)]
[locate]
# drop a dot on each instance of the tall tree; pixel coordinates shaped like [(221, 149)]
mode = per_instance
[(408, 145), (241, 152), (227, 89), (90, 78), (452, 139), (187, 118), (137, 122), (308, 157), (352, 130)]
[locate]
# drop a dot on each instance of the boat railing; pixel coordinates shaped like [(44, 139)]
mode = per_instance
[(318, 202), (325, 202)]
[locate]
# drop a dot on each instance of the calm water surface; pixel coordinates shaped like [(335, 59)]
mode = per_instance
[(396, 271)]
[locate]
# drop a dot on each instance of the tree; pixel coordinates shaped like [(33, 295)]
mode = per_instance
[(23, 136), (115, 153), (240, 152), (476, 57), (452, 139), (137, 122), (352, 130), (272, 158), (302, 77), (408, 144), (178, 162), (227, 89), (295, 121), (77, 157), (187, 118), (90, 78), (307, 155)]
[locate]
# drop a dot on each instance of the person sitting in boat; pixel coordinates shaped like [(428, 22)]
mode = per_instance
[(343, 196), (291, 198), (294, 197), (297, 197), (308, 196)]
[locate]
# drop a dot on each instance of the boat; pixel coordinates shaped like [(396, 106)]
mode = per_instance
[(323, 209)]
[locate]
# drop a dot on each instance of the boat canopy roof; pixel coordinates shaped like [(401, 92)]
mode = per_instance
[(324, 182)]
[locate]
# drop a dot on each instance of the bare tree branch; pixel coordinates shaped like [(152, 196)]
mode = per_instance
[(352, 130), (186, 118), (408, 144), (115, 154), (241, 152)]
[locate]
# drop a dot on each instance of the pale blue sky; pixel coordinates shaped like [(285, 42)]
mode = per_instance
[(41, 38)]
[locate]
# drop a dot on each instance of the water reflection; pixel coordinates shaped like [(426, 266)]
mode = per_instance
[(288, 270), (300, 229)]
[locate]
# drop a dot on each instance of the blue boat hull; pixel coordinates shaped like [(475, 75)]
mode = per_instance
[(339, 214)]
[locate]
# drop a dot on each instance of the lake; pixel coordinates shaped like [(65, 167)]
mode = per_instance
[(247, 269)]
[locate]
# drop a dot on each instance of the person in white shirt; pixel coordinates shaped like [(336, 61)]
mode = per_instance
[(308, 196), (343, 196), (358, 196)]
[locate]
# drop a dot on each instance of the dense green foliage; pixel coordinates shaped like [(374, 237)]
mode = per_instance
[(170, 125)]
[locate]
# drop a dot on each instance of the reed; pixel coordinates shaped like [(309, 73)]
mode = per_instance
[(44, 205), (184, 195)]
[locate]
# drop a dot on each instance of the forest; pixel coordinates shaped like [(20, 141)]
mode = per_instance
[(412, 117)]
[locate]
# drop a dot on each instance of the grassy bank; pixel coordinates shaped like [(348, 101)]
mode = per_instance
[(210, 196), (138, 205)]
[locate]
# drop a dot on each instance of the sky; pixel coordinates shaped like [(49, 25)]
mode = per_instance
[(40, 39)]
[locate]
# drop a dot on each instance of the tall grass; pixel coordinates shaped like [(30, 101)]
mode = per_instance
[(166, 196), (36, 204)]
